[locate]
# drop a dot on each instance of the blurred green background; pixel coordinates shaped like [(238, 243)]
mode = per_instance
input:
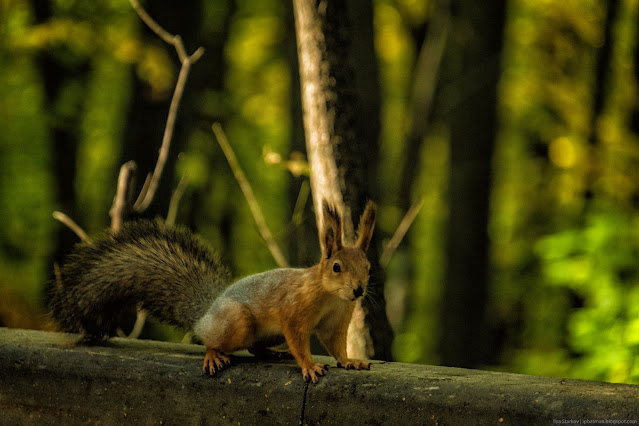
[(85, 87)]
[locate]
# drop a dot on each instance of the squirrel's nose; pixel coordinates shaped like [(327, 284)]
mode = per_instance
[(358, 292)]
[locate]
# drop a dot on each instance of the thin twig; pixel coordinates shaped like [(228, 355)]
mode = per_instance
[(166, 139), (250, 196), (121, 206), (154, 26), (400, 232), (186, 61), (174, 203), (144, 190), (139, 324), (70, 223), (123, 195), (300, 203)]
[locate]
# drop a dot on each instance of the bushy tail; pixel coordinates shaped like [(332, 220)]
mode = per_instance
[(165, 270)]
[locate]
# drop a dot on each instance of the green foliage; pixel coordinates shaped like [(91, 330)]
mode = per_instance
[(597, 264), (564, 222)]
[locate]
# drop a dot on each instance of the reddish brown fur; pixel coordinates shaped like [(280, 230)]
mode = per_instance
[(299, 303)]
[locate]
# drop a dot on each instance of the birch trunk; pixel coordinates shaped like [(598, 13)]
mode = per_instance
[(336, 159)]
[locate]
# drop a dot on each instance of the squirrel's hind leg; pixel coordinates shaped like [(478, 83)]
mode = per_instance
[(228, 329)]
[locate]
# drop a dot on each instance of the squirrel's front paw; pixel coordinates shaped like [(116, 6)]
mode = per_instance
[(214, 361), (310, 373), (354, 364)]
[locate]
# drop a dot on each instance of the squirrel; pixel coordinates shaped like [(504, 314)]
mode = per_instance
[(174, 276)]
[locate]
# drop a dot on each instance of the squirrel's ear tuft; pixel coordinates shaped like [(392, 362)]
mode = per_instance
[(366, 226), (332, 230)]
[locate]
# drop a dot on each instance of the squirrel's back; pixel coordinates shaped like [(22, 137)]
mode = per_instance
[(167, 271)]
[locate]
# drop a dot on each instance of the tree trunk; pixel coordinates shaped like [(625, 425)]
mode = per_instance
[(473, 65), (634, 119), (424, 82), (367, 132), (64, 137), (338, 162), (600, 88)]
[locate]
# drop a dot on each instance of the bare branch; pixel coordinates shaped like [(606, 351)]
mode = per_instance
[(123, 195), (139, 324), (250, 196), (70, 223), (186, 61), (175, 200), (400, 232), (166, 139), (300, 203), (144, 190), (150, 22)]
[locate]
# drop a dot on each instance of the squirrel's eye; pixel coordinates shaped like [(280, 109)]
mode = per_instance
[(336, 267)]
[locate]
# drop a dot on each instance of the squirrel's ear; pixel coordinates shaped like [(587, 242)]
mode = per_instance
[(332, 232), (366, 226)]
